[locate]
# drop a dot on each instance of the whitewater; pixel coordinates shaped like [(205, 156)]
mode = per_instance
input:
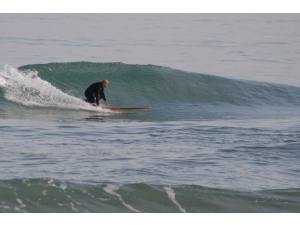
[(222, 133)]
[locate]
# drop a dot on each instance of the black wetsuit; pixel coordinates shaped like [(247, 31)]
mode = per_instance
[(94, 93)]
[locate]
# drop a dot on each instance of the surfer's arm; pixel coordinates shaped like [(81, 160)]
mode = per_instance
[(98, 96), (102, 95), (104, 98)]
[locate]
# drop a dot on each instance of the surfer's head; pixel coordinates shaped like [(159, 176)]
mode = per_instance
[(105, 83)]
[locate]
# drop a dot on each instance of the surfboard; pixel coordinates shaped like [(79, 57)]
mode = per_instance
[(125, 107)]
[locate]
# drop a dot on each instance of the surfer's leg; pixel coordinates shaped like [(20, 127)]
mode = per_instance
[(90, 99)]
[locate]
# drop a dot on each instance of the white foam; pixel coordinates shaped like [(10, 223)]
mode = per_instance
[(44, 192), (28, 89), (63, 186), (73, 207), (172, 196), (110, 189), (2, 81), (4, 206), (22, 205)]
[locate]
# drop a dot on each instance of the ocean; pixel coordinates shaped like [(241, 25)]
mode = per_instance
[(222, 133)]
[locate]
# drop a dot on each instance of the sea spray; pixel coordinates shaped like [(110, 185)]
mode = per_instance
[(28, 89)]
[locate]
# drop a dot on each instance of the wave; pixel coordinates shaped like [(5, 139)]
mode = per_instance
[(149, 84), (49, 195), (27, 88), (172, 94)]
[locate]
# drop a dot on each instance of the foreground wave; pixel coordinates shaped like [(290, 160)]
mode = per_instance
[(49, 195)]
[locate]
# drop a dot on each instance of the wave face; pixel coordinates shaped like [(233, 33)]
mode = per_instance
[(148, 84), (172, 94), (48, 195)]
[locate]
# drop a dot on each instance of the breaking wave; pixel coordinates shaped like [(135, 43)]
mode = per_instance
[(172, 94), (152, 84)]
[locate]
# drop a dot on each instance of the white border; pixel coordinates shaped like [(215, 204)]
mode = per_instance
[(150, 219), (150, 6)]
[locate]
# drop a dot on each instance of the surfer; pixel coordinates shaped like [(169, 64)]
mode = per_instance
[(95, 92)]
